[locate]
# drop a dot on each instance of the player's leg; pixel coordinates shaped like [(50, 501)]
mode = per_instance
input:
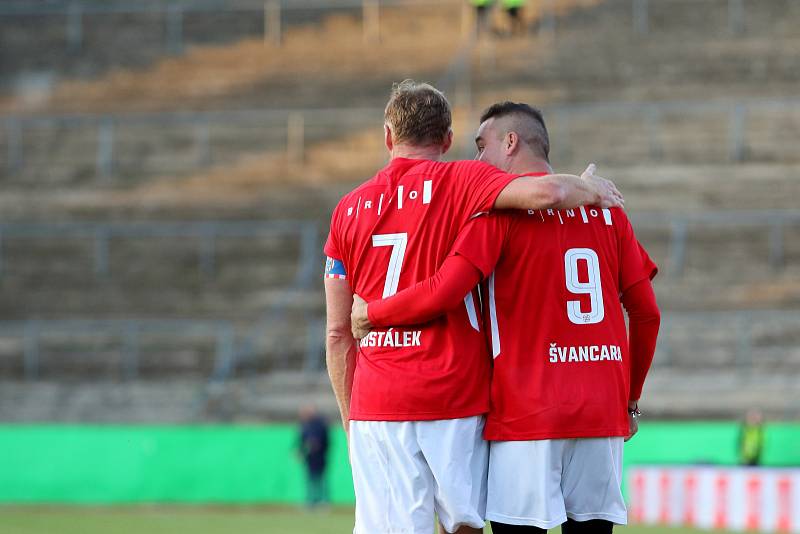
[(463, 530), (457, 455), (393, 485), (591, 526), (524, 486), (592, 486), (315, 488)]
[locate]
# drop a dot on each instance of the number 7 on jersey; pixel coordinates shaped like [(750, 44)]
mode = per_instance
[(398, 243)]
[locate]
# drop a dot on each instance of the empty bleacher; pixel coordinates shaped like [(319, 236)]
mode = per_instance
[(106, 316)]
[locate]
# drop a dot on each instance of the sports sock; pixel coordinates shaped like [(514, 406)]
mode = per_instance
[(503, 528), (592, 526)]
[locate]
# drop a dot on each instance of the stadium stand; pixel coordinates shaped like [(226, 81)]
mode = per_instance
[(106, 318)]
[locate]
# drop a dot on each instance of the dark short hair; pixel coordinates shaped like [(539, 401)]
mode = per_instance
[(537, 136)]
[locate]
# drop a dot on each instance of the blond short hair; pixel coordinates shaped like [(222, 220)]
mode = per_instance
[(418, 114)]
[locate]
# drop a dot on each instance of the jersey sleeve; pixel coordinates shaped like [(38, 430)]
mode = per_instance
[(331, 247), (482, 184), (644, 319), (635, 263), (481, 241), (334, 268), (427, 299)]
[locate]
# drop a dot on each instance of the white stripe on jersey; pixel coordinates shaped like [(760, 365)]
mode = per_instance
[(469, 302), (493, 320), (426, 192)]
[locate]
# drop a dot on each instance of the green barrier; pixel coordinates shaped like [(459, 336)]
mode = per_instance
[(684, 443), (110, 464), (259, 464), (781, 445)]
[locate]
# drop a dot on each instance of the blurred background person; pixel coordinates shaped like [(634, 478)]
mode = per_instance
[(313, 447), (751, 438), (516, 23), (482, 14)]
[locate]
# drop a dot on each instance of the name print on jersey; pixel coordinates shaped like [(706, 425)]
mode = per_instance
[(585, 214), (393, 338), (402, 197), (588, 353)]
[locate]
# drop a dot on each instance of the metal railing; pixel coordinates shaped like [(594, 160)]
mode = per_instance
[(681, 331), (739, 329), (197, 124), (237, 349), (293, 126), (207, 232), (680, 226), (641, 17), (230, 348), (272, 12), (128, 333), (73, 11)]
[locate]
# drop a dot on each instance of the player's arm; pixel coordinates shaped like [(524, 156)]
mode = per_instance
[(340, 347), (474, 255), (637, 270), (421, 302), (644, 319), (559, 191)]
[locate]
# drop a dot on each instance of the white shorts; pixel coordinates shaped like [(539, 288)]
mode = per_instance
[(404, 472), (543, 482)]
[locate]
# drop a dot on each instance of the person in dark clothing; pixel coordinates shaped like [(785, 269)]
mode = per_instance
[(513, 8), (482, 9), (314, 450)]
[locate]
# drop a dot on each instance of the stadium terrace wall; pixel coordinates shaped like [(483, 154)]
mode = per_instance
[(259, 464)]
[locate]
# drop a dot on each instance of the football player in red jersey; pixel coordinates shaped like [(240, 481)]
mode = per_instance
[(413, 399), (567, 377)]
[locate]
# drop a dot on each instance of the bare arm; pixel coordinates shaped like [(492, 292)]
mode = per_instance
[(340, 347), (559, 191)]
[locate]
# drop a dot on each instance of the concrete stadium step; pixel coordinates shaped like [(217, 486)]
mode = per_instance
[(621, 67), (130, 38), (719, 393), (674, 187), (668, 393), (747, 340), (136, 300), (160, 347), (143, 259), (250, 69), (146, 276), (699, 132), (640, 68), (177, 400)]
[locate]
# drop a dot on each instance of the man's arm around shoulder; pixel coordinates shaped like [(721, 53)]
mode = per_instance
[(559, 191)]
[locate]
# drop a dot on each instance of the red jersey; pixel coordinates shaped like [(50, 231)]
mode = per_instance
[(389, 233), (554, 319)]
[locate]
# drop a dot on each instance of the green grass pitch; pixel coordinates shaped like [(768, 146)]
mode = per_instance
[(199, 520)]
